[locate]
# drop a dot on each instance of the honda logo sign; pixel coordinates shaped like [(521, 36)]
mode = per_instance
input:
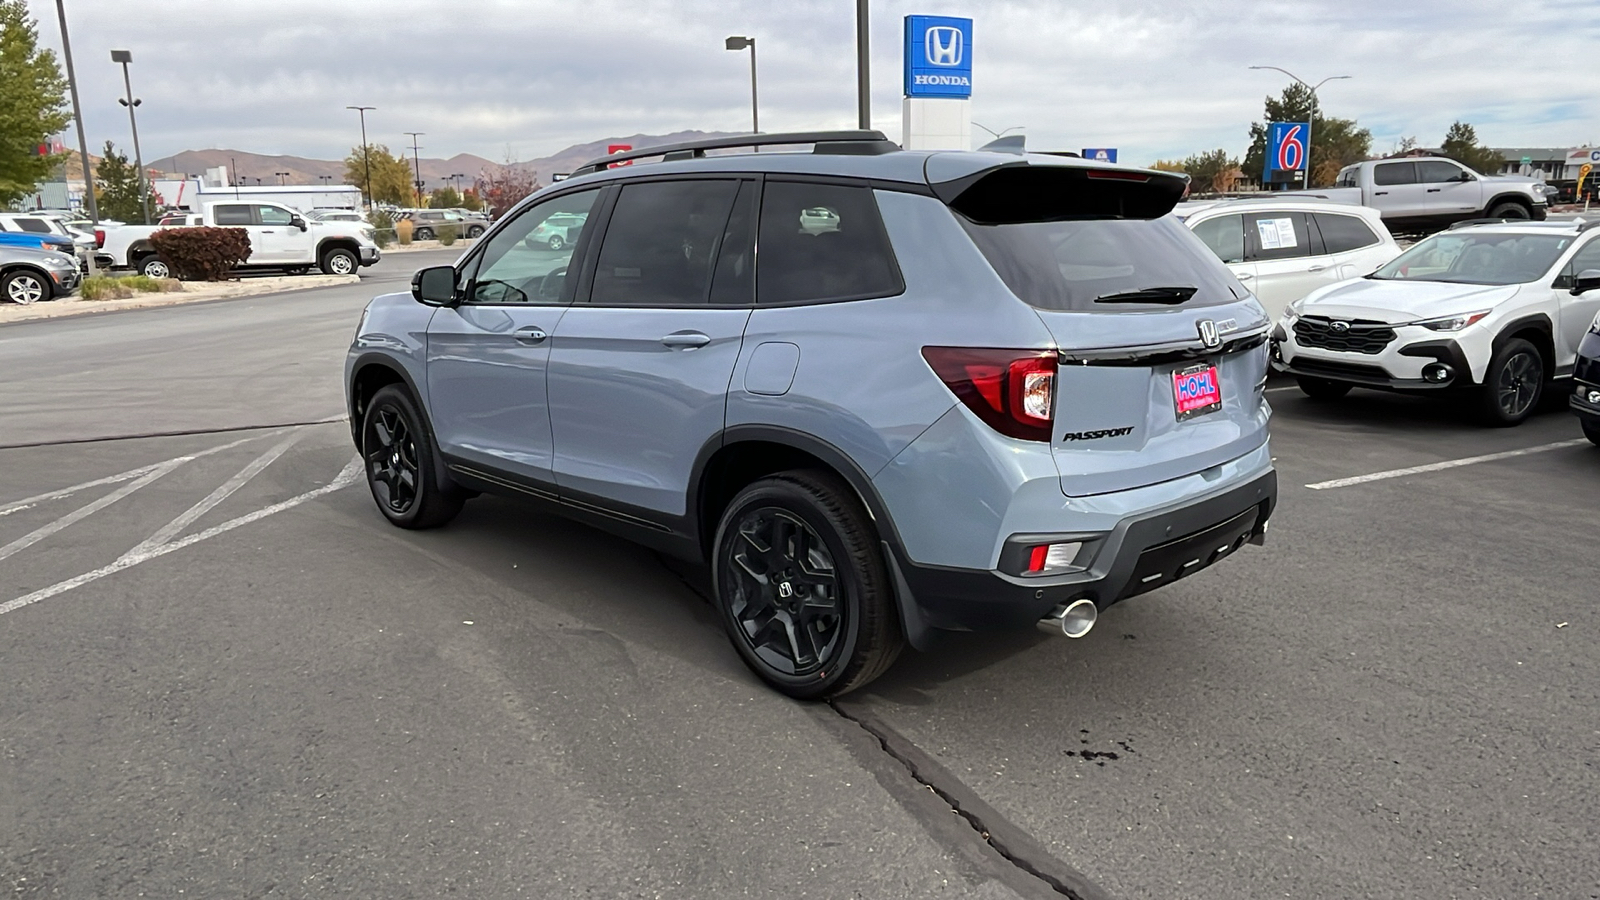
[(943, 45), (938, 56)]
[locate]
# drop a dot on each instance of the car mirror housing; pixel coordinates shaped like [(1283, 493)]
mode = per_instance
[(298, 222), (436, 286), (1587, 280)]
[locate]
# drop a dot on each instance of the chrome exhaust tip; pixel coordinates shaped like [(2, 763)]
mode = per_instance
[(1074, 620)]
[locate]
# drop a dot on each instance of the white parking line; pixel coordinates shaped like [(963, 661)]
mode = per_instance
[(1447, 464), (26, 502), (84, 512), (1291, 387), (348, 476)]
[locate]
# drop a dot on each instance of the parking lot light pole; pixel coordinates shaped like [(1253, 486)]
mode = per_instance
[(366, 156), (739, 43), (1311, 119), (124, 57), (77, 115), (416, 162)]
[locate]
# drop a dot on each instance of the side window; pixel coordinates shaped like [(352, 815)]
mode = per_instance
[(661, 242), (734, 281), (1587, 257), (274, 215), (821, 242), (1394, 173), (34, 226), (1224, 235), (1278, 235), (1435, 172), (526, 261), (1341, 234), (233, 214), (1347, 177)]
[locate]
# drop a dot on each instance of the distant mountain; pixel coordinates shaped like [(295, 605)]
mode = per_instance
[(435, 172)]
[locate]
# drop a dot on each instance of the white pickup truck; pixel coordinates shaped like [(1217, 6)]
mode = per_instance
[(1433, 192), (280, 238)]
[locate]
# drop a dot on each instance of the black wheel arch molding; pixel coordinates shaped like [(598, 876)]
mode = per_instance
[(1544, 342), (356, 405)]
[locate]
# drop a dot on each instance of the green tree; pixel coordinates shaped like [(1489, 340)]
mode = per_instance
[(1212, 171), (470, 200), (117, 188), (391, 175), (1461, 144), (33, 104), (445, 198), (1335, 143)]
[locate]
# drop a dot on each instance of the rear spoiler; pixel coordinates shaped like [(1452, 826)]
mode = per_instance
[(1020, 191)]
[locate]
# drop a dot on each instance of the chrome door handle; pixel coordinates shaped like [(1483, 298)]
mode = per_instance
[(686, 340), (533, 334), (1316, 268), (1244, 276)]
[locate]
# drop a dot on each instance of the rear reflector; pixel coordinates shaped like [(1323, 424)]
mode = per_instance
[(1047, 558), (1012, 391)]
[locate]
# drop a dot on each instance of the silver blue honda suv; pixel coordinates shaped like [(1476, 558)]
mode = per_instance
[(882, 394)]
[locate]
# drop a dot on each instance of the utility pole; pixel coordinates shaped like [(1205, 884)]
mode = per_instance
[(124, 57), (77, 115), (863, 68), (366, 155), (416, 162)]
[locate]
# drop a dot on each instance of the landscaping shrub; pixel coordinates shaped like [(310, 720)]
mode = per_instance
[(202, 254), (102, 287), (403, 229), (448, 233), (382, 228)]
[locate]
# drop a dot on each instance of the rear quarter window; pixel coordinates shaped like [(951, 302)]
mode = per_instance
[(1341, 234), (822, 242)]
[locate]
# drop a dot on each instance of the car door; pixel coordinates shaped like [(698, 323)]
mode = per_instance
[(1353, 249), (487, 357), (1395, 191), (275, 238), (1575, 314), (1288, 258), (639, 368), (1448, 188), (1224, 234)]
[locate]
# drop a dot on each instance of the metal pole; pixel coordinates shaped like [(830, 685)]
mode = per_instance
[(138, 158), (755, 117), (366, 151), (77, 115), (863, 68), (416, 163)]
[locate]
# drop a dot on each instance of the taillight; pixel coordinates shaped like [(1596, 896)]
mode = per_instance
[(1012, 391), (100, 238)]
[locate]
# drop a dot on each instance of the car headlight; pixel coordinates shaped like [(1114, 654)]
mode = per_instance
[(1453, 323)]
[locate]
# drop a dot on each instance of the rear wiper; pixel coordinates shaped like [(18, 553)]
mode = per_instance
[(1173, 295)]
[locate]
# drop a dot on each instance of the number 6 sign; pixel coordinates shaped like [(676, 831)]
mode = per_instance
[(1286, 147)]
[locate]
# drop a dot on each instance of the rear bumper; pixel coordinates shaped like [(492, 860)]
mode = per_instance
[(1140, 554)]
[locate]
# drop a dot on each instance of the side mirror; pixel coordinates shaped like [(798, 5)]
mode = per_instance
[(436, 286), (298, 222), (1466, 176), (1587, 280)]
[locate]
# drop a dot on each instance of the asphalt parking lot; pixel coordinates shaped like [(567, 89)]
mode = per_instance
[(225, 675)]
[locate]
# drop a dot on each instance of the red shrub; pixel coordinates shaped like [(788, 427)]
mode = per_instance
[(202, 254)]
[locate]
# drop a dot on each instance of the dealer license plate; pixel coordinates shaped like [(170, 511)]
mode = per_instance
[(1196, 391)]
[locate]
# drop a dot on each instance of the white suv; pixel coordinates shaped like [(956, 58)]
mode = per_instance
[(1283, 249), (1497, 309)]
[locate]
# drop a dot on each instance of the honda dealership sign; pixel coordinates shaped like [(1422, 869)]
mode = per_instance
[(938, 61)]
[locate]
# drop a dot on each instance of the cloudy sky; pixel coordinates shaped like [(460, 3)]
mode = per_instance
[(1155, 78)]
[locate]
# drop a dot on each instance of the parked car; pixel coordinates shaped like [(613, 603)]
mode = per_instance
[(336, 215), (1008, 390), (1585, 399), (280, 238), (427, 222), (31, 275), (1426, 193), (557, 232), (83, 244), (1498, 310), (1283, 249)]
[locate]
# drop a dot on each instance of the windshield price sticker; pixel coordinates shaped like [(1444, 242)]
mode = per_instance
[(1196, 391), (1276, 234)]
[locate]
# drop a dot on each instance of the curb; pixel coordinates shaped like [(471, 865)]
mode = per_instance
[(192, 293)]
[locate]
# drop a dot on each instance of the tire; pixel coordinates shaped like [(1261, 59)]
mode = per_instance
[(1322, 388), (24, 287), (556, 242), (1512, 385), (340, 261), (423, 234), (1592, 432), (152, 267), (475, 231), (1510, 209), (398, 451), (840, 595)]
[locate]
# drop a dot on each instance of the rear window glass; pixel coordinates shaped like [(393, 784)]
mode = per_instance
[(1395, 173), (821, 242), (662, 242), (233, 215), (1341, 234), (1087, 264)]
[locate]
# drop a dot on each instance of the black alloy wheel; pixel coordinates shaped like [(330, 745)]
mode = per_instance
[(1513, 384), (399, 463), (802, 587)]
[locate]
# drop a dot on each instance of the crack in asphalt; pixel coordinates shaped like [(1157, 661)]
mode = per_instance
[(161, 434), (1011, 842)]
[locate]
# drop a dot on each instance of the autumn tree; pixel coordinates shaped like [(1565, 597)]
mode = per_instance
[(33, 103), (502, 187), (391, 175), (116, 188), (1211, 172), (1335, 143), (1461, 144)]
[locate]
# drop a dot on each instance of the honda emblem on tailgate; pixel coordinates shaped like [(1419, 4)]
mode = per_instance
[(1208, 334)]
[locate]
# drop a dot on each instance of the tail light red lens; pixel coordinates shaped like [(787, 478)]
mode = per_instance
[(100, 238), (1012, 391)]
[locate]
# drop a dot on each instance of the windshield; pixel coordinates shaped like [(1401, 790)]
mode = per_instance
[(1483, 258), (1105, 265)]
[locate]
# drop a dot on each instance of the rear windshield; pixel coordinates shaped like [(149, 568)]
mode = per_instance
[(1106, 265)]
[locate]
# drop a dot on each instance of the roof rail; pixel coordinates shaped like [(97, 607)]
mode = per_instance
[(849, 142), (1466, 222)]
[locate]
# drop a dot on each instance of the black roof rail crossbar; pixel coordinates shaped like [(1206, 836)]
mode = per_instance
[(697, 149), (1467, 222)]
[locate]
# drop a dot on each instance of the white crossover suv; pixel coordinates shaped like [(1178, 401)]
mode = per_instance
[(1494, 309)]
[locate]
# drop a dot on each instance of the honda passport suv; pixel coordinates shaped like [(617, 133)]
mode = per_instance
[(993, 390)]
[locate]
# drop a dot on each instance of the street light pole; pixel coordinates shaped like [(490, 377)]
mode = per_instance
[(1311, 120), (124, 57), (416, 162), (739, 43), (366, 156), (77, 115), (863, 69)]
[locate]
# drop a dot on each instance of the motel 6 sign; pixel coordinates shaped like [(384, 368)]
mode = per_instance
[(1287, 146)]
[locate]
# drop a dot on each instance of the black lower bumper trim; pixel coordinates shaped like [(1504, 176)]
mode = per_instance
[(1365, 376)]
